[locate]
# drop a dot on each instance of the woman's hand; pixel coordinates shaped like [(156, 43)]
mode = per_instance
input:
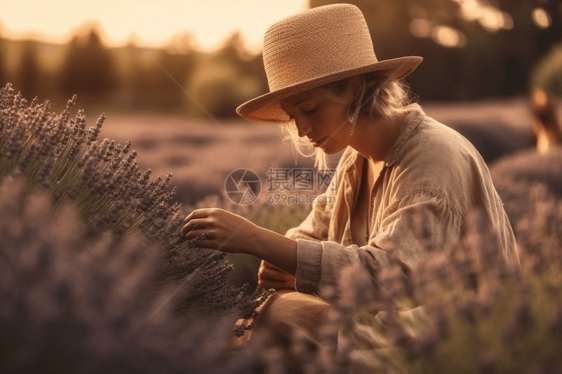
[(228, 232), (270, 276)]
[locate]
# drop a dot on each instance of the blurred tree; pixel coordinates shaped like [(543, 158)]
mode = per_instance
[(152, 87), (547, 74), (3, 74), (29, 73), (88, 68), (228, 78), (471, 48), (128, 71)]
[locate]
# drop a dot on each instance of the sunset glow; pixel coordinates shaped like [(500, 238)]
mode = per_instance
[(147, 22)]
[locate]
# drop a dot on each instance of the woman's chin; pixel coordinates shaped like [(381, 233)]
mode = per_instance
[(329, 151), (327, 147), (323, 145)]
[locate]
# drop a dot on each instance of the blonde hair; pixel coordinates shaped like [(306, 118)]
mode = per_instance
[(381, 98)]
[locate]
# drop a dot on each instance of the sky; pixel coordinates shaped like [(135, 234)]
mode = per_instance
[(147, 22)]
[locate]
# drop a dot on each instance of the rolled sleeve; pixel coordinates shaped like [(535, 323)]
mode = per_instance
[(319, 263), (309, 265)]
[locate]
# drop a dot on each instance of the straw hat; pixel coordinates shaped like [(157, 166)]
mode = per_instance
[(315, 47)]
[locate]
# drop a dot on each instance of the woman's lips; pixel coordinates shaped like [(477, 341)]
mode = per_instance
[(319, 142)]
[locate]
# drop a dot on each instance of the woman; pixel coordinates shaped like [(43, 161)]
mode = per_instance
[(327, 86)]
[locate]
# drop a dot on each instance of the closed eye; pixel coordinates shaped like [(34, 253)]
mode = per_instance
[(310, 112)]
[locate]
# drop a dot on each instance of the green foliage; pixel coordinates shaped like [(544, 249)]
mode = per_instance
[(547, 74), (224, 80)]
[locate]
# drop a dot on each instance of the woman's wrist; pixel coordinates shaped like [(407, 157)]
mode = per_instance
[(275, 248)]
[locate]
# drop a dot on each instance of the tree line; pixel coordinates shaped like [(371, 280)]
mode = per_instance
[(466, 57)]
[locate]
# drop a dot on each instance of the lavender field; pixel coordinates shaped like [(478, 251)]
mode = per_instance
[(96, 275), (118, 121), (200, 154)]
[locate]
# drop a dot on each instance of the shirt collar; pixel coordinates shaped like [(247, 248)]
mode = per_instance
[(415, 115)]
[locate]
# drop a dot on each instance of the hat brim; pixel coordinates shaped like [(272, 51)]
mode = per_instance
[(266, 108)]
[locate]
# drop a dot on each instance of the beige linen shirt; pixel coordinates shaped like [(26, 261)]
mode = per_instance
[(430, 166)]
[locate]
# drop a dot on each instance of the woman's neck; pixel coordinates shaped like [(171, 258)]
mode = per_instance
[(374, 140)]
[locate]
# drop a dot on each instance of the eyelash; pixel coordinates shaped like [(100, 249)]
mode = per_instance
[(306, 112), (310, 112)]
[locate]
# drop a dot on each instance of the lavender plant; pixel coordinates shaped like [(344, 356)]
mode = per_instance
[(102, 180), (479, 313), (70, 307)]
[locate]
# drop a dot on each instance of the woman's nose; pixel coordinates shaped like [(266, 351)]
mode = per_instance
[(303, 126)]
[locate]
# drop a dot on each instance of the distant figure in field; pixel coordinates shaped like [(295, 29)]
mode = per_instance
[(514, 175), (545, 121)]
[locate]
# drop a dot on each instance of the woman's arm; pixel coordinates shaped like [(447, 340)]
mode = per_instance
[(276, 249), (232, 233), (281, 251), (271, 276)]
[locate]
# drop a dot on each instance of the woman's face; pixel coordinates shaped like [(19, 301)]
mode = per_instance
[(319, 116)]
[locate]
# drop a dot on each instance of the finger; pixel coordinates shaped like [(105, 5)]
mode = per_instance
[(198, 213), (190, 225), (270, 266), (195, 233), (269, 273), (276, 278), (267, 265), (264, 266), (278, 285)]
